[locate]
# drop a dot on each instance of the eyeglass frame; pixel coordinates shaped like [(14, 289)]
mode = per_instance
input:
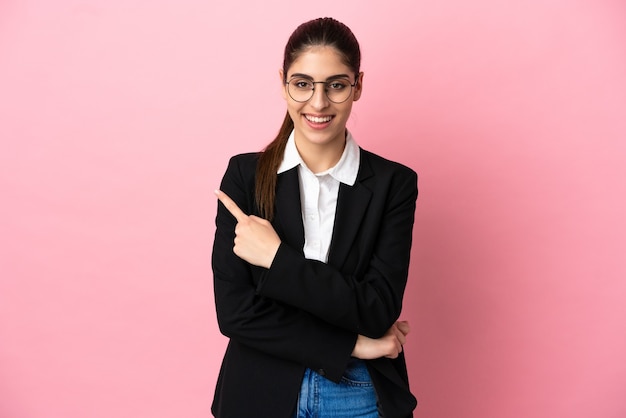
[(325, 89)]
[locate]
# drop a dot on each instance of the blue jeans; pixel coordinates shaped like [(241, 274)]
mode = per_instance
[(353, 397)]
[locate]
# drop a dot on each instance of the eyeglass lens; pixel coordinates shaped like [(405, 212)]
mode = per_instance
[(337, 91)]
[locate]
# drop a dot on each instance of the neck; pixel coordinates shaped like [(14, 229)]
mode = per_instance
[(321, 157)]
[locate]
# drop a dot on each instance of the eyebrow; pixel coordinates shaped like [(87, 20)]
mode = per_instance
[(308, 77)]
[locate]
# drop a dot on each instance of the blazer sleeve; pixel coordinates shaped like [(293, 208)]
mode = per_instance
[(363, 296), (260, 322)]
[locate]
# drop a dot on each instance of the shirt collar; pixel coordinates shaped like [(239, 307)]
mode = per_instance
[(345, 171)]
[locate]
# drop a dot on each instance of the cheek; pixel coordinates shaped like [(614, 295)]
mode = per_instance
[(346, 109)]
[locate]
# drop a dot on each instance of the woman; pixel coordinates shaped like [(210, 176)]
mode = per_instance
[(311, 254)]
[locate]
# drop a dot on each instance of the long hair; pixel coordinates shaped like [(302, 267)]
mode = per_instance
[(324, 31)]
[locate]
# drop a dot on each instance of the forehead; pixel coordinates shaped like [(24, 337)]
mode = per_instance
[(319, 62)]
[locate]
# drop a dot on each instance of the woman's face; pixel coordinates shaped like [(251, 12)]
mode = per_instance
[(318, 121)]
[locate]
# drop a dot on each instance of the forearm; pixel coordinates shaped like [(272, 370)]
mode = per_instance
[(365, 305), (362, 289), (280, 330)]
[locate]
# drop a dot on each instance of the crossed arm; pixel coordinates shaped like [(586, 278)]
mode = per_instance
[(257, 243)]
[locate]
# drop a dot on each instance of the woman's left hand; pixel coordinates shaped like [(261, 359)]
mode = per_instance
[(389, 345), (256, 241)]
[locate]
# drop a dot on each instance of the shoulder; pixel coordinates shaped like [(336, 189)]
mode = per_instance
[(387, 179), (243, 165), (241, 168), (248, 159), (381, 166)]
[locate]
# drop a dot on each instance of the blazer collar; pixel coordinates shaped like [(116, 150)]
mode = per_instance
[(352, 203)]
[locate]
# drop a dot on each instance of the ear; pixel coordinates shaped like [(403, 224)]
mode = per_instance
[(358, 88), (281, 74)]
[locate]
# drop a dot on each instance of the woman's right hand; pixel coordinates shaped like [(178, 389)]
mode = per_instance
[(389, 345)]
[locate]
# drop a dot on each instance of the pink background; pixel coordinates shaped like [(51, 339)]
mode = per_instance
[(117, 119)]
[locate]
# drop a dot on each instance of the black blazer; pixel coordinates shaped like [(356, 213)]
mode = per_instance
[(303, 313)]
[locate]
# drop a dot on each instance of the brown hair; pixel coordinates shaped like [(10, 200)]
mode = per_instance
[(318, 32)]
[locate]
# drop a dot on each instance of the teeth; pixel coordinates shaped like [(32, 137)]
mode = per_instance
[(316, 119)]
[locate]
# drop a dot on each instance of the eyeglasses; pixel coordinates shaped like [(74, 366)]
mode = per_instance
[(337, 90)]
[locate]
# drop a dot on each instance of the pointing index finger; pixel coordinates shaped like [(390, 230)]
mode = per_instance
[(230, 205)]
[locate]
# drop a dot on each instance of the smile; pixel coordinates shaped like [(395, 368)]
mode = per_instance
[(318, 119)]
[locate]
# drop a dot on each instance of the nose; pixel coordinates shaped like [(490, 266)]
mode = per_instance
[(319, 100)]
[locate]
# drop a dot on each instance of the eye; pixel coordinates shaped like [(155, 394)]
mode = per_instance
[(337, 85), (301, 84)]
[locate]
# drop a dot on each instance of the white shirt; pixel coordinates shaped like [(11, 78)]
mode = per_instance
[(318, 194)]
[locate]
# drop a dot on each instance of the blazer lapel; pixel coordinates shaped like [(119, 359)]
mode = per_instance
[(288, 215), (352, 204)]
